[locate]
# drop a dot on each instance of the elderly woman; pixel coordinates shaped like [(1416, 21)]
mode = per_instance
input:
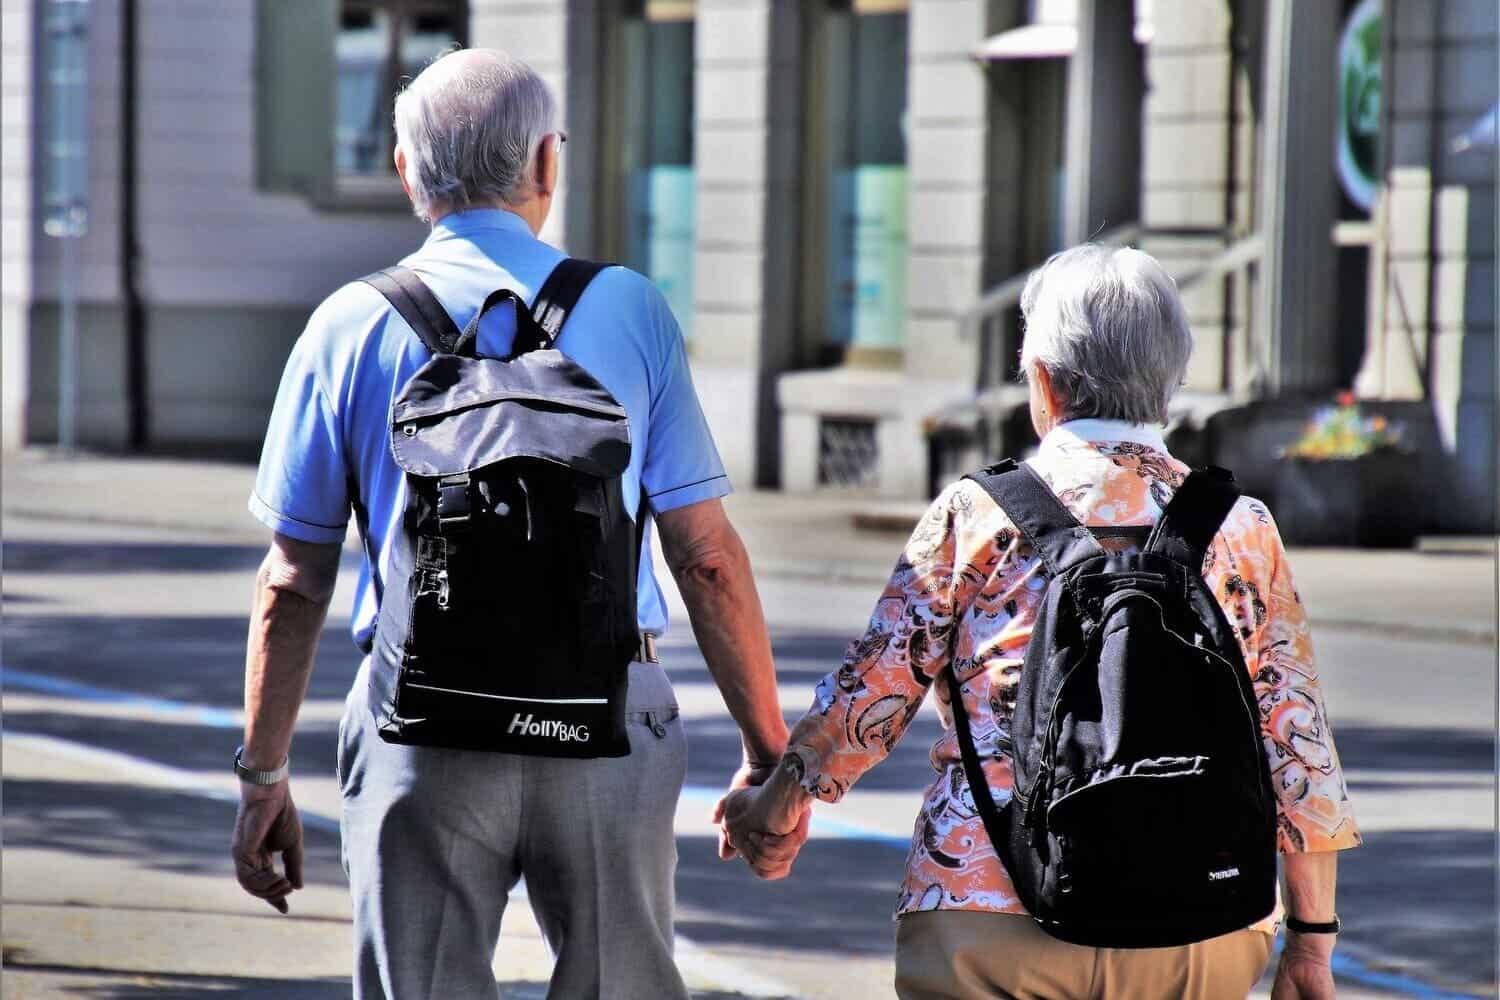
[(1107, 344)]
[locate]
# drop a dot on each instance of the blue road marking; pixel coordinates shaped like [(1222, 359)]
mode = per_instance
[(204, 715)]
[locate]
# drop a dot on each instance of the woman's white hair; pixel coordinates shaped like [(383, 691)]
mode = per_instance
[(471, 124), (1110, 329)]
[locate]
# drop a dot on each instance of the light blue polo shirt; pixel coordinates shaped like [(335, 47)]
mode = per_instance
[(330, 428)]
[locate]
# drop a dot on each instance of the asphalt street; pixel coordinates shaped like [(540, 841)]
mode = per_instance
[(123, 652)]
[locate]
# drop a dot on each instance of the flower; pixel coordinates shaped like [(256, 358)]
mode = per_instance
[(1339, 432)]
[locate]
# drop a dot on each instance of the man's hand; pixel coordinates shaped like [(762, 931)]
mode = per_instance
[(1303, 972), (292, 592), (268, 824), (750, 775), (767, 837)]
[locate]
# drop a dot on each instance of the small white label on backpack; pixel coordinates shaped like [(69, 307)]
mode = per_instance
[(552, 729), (1223, 873)]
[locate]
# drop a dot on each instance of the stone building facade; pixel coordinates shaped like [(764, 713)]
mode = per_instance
[(840, 199)]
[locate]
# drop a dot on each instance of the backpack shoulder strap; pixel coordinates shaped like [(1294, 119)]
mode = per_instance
[(561, 291), (1194, 515), (1054, 533), (414, 301)]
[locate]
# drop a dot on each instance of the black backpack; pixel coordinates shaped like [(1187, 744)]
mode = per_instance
[(509, 618), (1143, 813)]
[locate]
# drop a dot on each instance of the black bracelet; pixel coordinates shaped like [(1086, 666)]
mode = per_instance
[(1308, 927)]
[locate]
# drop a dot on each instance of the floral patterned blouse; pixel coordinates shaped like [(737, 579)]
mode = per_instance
[(964, 594)]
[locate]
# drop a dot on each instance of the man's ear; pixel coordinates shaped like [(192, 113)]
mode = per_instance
[(400, 157)]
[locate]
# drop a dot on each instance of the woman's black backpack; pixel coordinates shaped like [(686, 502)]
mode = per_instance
[(1143, 813), (508, 621)]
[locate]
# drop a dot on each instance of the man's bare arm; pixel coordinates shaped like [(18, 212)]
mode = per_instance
[(292, 593), (712, 570)]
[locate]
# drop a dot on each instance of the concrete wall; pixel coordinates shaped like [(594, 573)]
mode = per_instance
[(1185, 172), (17, 25), (1438, 230), (215, 251), (950, 185), (540, 32), (747, 147)]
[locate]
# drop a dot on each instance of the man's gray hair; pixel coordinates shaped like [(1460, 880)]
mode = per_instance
[(471, 124), (1110, 328)]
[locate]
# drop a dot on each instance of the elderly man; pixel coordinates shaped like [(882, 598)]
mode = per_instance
[(1107, 344), (435, 838)]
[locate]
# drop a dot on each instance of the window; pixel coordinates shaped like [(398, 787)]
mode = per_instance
[(661, 198), (854, 306), (647, 191), (380, 45), (327, 72)]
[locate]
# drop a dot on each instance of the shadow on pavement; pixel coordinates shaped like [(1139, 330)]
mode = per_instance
[(199, 660), (108, 985), (129, 557), (156, 828), (202, 748), (1392, 749), (1423, 902), (840, 897)]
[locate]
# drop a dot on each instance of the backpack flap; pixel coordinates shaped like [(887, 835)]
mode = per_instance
[(458, 414)]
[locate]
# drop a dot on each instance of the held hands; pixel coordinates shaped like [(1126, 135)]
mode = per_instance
[(762, 821), (267, 824)]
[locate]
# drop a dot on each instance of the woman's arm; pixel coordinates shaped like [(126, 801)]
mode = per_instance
[(861, 710)]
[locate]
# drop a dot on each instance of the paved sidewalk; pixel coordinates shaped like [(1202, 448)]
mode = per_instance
[(1413, 594), (93, 914)]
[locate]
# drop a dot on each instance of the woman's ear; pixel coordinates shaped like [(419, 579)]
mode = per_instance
[(547, 161)]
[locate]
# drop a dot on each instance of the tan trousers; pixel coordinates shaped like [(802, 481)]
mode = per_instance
[(997, 956)]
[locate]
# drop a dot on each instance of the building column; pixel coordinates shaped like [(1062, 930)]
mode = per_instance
[(1432, 330), (1103, 122), (1298, 198), (16, 156), (747, 138), (558, 39), (950, 188)]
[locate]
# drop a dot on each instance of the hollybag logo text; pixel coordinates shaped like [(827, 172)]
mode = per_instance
[(548, 729)]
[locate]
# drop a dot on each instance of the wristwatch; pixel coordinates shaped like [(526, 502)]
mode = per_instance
[(1309, 927), (250, 776)]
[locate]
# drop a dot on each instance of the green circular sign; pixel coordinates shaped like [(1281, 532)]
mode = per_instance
[(1359, 104)]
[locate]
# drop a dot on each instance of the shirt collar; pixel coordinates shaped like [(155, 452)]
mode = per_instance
[(1094, 431), (474, 220)]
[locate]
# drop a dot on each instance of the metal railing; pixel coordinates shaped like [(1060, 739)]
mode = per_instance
[(989, 322), (974, 429)]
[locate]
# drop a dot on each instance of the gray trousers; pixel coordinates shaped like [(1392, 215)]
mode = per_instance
[(435, 839)]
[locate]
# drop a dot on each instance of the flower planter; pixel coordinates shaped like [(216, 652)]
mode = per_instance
[(1364, 501)]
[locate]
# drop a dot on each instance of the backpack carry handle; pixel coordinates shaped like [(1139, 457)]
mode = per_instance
[(527, 331)]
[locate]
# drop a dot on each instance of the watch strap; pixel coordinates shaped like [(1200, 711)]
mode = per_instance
[(1314, 927), (251, 776)]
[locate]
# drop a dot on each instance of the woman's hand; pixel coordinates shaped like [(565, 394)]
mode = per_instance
[(751, 774), (764, 829), (1304, 972)]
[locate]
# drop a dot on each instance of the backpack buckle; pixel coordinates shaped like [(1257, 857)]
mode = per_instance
[(454, 505)]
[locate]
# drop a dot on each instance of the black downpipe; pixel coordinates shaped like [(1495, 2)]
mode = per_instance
[(136, 381)]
